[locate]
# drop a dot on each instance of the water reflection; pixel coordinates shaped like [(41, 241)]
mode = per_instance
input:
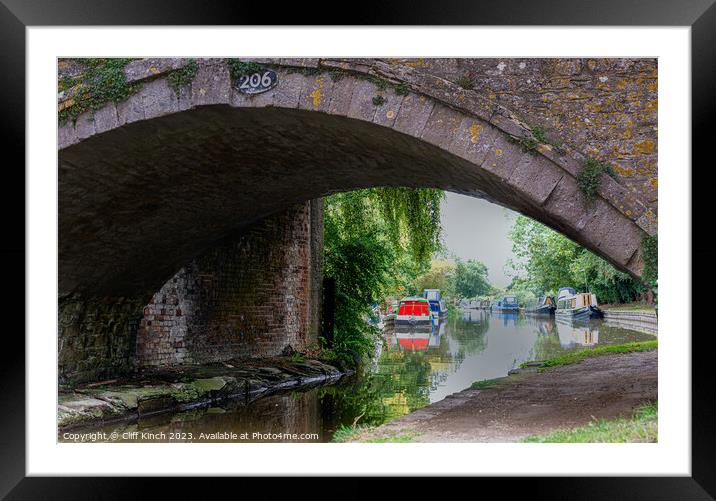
[(412, 368), (506, 318), (413, 340)]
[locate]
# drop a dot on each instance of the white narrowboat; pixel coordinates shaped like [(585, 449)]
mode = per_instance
[(577, 305)]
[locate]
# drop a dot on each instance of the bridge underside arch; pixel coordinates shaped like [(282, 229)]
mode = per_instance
[(148, 185), (138, 202)]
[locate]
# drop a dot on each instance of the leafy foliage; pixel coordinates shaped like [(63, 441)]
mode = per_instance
[(102, 81), (542, 254), (589, 177), (650, 251), (439, 276), (547, 260), (238, 68), (182, 77), (360, 266), (412, 217), (470, 278), (609, 284), (376, 242), (402, 89), (523, 290)]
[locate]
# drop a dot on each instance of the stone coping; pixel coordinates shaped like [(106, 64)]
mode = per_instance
[(641, 315)]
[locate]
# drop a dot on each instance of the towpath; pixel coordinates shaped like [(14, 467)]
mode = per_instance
[(533, 402)]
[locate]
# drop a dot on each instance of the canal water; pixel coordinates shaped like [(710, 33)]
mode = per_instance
[(410, 370)]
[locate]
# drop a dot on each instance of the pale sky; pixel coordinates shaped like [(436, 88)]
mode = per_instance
[(476, 229)]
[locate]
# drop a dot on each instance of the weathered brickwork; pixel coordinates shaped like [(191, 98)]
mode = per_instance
[(96, 337), (316, 278), (250, 297)]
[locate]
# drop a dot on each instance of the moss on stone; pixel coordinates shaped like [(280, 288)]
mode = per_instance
[(402, 89), (239, 68), (465, 82), (103, 81), (211, 384), (182, 77), (215, 410), (589, 177), (650, 254)]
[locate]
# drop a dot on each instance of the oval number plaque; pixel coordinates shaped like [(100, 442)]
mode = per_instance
[(258, 82)]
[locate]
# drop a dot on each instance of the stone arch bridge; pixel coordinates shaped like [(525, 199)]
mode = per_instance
[(190, 212)]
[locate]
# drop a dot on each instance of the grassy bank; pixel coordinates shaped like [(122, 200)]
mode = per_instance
[(348, 433), (641, 427), (577, 356), (486, 383), (353, 433)]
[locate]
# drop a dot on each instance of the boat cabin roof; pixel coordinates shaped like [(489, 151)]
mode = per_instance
[(432, 294), (414, 298)]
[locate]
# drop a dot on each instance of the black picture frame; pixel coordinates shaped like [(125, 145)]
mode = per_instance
[(16, 15)]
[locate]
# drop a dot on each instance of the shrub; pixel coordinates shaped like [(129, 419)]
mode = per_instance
[(589, 177)]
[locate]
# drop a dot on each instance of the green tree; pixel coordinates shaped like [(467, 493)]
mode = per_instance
[(547, 260), (523, 290), (439, 276), (543, 255), (376, 242), (470, 278), (609, 284)]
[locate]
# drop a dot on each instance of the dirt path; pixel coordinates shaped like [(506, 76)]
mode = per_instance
[(535, 403)]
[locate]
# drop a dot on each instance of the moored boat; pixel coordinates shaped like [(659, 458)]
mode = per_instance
[(507, 304), (469, 304), (577, 306), (414, 311), (544, 305), (438, 308)]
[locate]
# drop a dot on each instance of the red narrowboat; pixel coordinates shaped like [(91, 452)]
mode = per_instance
[(413, 311)]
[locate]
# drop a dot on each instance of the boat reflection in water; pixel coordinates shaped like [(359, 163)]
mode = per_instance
[(472, 315), (412, 340), (437, 333), (546, 326), (507, 317), (577, 332), (418, 339)]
